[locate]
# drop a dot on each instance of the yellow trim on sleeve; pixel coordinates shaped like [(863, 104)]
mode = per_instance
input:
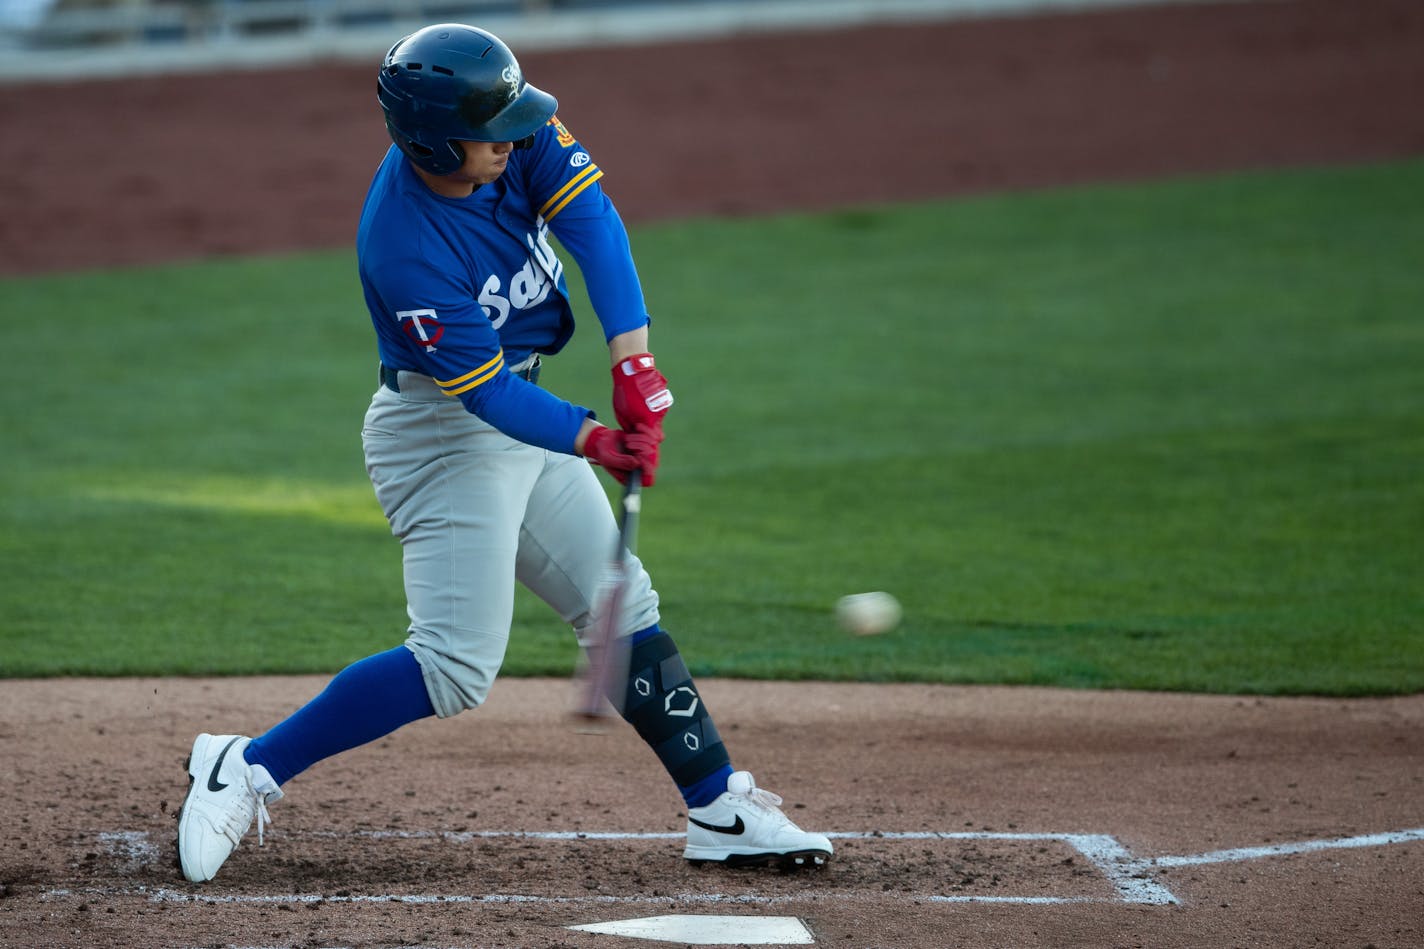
[(567, 185), (569, 191), (474, 377)]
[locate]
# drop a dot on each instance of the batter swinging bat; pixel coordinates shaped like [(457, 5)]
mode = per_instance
[(607, 651)]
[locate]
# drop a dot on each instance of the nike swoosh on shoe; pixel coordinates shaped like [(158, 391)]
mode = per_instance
[(215, 785), (735, 828)]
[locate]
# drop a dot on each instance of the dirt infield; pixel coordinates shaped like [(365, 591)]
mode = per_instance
[(975, 817), (963, 816)]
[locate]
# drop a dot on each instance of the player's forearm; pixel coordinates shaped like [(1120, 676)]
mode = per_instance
[(532, 415), (599, 245), (627, 344)]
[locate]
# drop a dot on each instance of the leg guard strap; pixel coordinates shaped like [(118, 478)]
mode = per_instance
[(662, 703)]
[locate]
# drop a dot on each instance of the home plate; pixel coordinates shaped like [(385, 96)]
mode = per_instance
[(710, 930)]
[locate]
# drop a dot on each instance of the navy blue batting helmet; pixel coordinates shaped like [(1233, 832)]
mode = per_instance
[(449, 83)]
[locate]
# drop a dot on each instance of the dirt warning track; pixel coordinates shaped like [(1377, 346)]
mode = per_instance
[(161, 168)]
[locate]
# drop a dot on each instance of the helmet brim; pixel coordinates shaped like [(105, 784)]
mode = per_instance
[(528, 113)]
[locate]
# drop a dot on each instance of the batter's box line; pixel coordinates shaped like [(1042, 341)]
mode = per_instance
[(1103, 851), (1112, 860), (1130, 875), (166, 895)]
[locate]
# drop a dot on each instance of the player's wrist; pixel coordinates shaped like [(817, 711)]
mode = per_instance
[(581, 438)]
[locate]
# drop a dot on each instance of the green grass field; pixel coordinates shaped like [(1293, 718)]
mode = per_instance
[(1165, 437)]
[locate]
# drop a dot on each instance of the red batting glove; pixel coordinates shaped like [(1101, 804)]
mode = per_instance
[(640, 393), (608, 447), (643, 444), (620, 452)]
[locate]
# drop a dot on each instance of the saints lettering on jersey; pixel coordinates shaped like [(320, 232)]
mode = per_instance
[(527, 287)]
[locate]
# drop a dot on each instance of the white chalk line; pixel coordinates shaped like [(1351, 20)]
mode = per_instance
[(164, 895), (133, 847), (161, 895), (1129, 875), (1019, 900), (464, 836), (1278, 850), (1113, 860)]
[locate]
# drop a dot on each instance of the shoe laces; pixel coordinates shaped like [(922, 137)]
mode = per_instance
[(264, 791), (764, 800), (237, 819), (263, 817)]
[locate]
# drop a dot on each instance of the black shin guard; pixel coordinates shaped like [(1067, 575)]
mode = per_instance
[(663, 705)]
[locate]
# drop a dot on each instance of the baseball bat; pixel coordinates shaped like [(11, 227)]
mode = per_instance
[(607, 651)]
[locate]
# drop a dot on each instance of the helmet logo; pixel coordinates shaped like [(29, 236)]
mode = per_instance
[(510, 75)]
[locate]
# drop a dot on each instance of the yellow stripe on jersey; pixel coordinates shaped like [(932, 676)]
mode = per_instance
[(473, 378), (569, 191)]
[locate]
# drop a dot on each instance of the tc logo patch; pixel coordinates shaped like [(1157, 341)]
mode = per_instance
[(422, 328)]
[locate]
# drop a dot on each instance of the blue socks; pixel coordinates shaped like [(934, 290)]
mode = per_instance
[(379, 694), (707, 790), (366, 700)]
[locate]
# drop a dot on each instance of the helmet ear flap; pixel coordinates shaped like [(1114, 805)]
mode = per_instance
[(439, 160)]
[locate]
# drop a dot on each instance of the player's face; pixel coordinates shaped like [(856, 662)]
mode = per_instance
[(484, 161)]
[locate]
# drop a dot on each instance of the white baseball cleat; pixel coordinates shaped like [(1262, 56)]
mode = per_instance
[(224, 794), (745, 827)]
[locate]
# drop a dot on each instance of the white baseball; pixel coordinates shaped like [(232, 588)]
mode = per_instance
[(868, 614)]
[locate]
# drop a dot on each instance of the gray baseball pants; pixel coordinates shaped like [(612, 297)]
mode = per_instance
[(476, 510)]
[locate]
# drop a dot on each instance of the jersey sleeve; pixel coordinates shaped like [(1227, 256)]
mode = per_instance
[(564, 184), (430, 322)]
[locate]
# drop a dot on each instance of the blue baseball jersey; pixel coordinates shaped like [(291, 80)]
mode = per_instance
[(460, 288)]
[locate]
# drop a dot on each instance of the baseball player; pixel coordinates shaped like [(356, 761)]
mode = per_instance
[(484, 475)]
